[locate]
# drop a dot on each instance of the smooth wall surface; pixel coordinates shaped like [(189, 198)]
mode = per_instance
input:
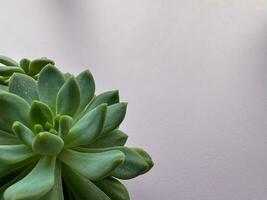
[(193, 71)]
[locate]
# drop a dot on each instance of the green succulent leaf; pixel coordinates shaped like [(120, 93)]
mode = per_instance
[(81, 187), (57, 192), (109, 98), (7, 138), (40, 113), (37, 65), (65, 123), (3, 88), (8, 61), (146, 157), (23, 133), (8, 71), (110, 139), (12, 178), (94, 166), (115, 115), (7, 169), (46, 143), (68, 98), (49, 82), (118, 191), (36, 184), (12, 154), (23, 86), (13, 108), (25, 64), (87, 128), (86, 85), (134, 164)]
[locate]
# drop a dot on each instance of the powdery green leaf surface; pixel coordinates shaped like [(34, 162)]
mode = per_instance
[(110, 139), (81, 187), (118, 191), (7, 138), (46, 143), (37, 65), (94, 166), (65, 123), (86, 85), (49, 82), (25, 64), (23, 133), (40, 113), (110, 97), (36, 184), (57, 191), (13, 108), (134, 164), (115, 115), (8, 61), (23, 86), (87, 128), (68, 98), (12, 154), (8, 71)]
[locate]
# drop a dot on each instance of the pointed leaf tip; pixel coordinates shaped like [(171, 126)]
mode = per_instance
[(87, 128), (40, 113), (49, 82), (37, 65), (101, 164), (68, 98), (86, 85)]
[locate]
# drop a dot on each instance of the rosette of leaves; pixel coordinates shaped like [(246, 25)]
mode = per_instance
[(25, 66), (58, 140)]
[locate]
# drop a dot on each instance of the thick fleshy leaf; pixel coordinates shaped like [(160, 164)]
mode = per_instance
[(94, 166), (146, 157), (87, 128), (8, 61), (49, 82), (65, 123), (110, 139), (57, 192), (6, 169), (23, 86), (40, 113), (68, 98), (7, 138), (133, 165), (37, 65), (46, 143), (81, 187), (8, 71), (12, 178), (12, 154), (25, 64), (36, 184), (3, 88), (86, 85), (109, 98), (23, 133), (113, 188), (114, 117), (13, 108)]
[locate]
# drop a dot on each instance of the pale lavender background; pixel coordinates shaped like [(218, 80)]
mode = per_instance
[(193, 71)]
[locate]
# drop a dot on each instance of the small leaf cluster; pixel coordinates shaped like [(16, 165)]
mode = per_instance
[(58, 140)]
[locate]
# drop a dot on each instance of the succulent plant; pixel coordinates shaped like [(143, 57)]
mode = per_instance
[(58, 140)]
